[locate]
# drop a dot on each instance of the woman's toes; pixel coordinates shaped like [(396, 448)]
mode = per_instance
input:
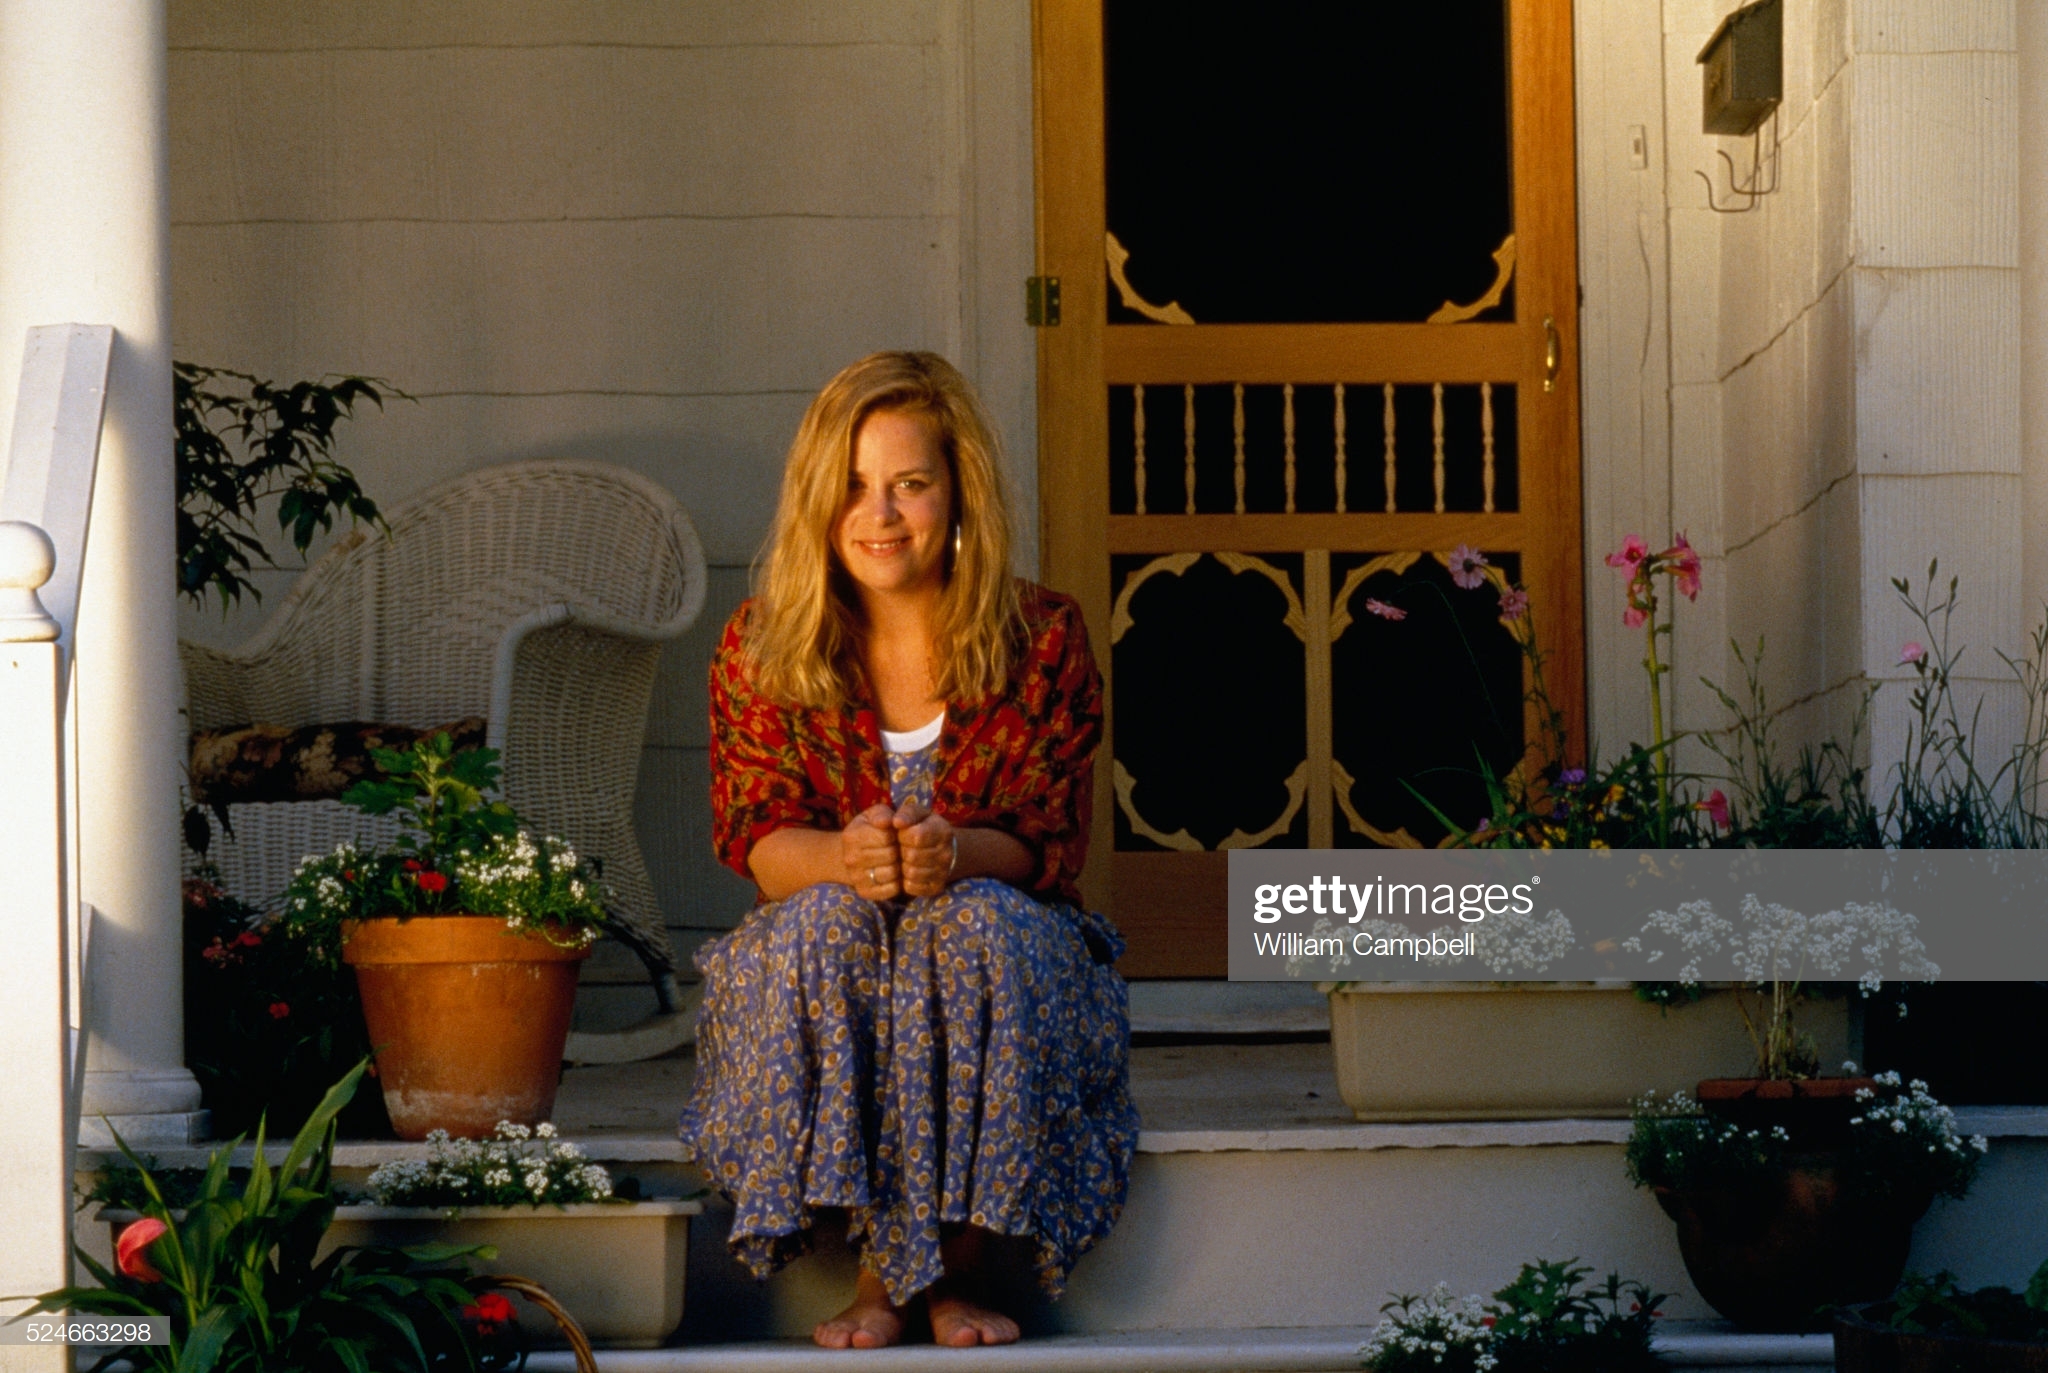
[(962, 1324)]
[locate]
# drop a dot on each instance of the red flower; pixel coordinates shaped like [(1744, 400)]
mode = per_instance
[(1488, 1321), (279, 1010), (247, 939), (412, 865), (490, 1311), (431, 881), (348, 874), (130, 1254)]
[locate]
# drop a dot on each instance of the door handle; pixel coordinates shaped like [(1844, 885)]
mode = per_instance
[(1553, 353)]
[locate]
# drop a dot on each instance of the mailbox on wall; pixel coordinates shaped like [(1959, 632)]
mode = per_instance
[(1745, 62)]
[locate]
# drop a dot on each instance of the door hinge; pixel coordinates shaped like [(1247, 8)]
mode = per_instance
[(1041, 302)]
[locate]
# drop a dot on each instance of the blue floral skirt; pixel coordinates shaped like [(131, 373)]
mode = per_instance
[(957, 1058)]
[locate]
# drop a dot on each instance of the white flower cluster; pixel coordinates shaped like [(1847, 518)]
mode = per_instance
[(1506, 943), (1431, 1326), (324, 895), (519, 1165), (1515, 942), (534, 881), (1681, 1106), (1778, 944), (1910, 1109)]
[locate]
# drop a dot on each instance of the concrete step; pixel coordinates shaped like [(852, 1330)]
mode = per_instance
[(1307, 1227), (1326, 1349), (1257, 1205)]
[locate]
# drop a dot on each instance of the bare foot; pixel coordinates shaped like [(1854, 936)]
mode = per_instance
[(869, 1322), (962, 1324)]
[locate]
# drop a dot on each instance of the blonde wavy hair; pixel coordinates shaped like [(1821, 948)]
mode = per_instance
[(804, 635)]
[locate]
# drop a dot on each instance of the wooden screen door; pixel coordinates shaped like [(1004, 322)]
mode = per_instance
[(1318, 309)]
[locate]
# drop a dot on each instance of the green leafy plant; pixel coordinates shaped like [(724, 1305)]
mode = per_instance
[(441, 795), (519, 1166), (1548, 1320), (1938, 1306), (1901, 1142), (242, 441), (459, 851), (235, 1274)]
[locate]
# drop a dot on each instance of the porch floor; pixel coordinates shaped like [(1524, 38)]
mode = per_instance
[(1179, 1088), (1325, 1349)]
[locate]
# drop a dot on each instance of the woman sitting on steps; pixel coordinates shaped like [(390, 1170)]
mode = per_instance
[(919, 1025)]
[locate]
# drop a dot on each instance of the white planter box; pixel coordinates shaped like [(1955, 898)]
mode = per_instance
[(1538, 1050), (616, 1267)]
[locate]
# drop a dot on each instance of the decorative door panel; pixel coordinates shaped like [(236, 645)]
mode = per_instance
[(1316, 262)]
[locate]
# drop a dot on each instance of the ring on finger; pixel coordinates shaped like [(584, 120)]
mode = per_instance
[(871, 878)]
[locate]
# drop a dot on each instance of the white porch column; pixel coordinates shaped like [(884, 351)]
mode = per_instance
[(84, 238), (2033, 83)]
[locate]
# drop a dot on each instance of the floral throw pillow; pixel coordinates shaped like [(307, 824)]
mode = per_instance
[(309, 763)]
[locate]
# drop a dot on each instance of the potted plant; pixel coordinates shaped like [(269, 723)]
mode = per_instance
[(465, 935), (551, 1215), (1931, 1325), (1779, 1220), (242, 1280), (1548, 1320), (1527, 1050)]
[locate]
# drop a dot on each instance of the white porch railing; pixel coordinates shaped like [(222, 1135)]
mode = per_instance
[(44, 516)]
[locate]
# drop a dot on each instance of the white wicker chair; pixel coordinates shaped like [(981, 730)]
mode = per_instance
[(537, 595)]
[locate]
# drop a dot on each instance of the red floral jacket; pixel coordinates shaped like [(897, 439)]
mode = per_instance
[(1020, 760)]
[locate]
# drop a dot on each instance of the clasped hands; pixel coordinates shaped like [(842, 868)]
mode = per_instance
[(907, 851)]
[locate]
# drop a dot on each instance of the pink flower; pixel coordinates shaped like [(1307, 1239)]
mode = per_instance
[(1485, 824), (1375, 606), (1514, 603), (1465, 564), (1685, 567), (1634, 616), (1632, 551), (1716, 807), (1912, 653), (130, 1254)]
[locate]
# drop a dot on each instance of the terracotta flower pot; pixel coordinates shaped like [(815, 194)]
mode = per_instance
[(1863, 1346), (467, 1017), (1769, 1257)]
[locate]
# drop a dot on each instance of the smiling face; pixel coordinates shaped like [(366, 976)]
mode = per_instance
[(891, 534)]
